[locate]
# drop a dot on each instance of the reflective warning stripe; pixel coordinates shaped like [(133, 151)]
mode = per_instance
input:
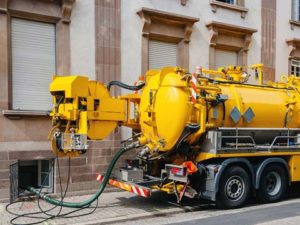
[(141, 191), (194, 88)]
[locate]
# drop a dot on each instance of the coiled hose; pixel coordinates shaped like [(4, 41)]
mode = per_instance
[(126, 86), (101, 188)]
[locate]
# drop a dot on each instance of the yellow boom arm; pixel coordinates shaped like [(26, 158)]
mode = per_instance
[(84, 110)]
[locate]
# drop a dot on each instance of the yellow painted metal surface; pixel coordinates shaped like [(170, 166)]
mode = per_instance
[(163, 108), (70, 85), (166, 107), (294, 167), (205, 156), (88, 104)]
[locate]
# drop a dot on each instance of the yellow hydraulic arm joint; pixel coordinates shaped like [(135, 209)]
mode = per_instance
[(84, 110)]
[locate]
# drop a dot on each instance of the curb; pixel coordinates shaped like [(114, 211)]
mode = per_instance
[(185, 209), (134, 217)]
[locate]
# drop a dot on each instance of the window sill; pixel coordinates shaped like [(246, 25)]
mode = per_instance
[(216, 4), (294, 23), (17, 114)]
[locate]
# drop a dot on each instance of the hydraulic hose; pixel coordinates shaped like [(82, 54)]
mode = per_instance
[(126, 86), (101, 188)]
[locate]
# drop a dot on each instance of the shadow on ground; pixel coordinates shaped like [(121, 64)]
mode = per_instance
[(162, 200)]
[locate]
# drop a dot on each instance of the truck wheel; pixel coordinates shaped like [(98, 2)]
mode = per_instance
[(273, 184), (234, 188)]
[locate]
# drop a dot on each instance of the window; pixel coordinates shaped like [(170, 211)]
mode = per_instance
[(233, 2), (295, 10), (225, 58), (223, 52), (232, 5), (295, 67), (173, 32), (33, 64), (162, 54), (36, 173)]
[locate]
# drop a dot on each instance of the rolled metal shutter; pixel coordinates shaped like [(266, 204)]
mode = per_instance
[(225, 58), (162, 54), (33, 63)]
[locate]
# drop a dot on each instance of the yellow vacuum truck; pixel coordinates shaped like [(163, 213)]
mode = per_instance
[(207, 134)]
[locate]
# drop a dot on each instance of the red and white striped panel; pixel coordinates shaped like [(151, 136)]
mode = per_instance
[(138, 190), (194, 88)]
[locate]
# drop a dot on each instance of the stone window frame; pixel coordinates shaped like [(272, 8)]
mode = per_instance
[(169, 27), (294, 51), (229, 37), (239, 7), (57, 12)]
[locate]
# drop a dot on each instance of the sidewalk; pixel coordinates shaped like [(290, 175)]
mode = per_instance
[(113, 207)]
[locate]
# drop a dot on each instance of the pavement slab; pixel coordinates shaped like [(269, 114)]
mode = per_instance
[(128, 209), (112, 207)]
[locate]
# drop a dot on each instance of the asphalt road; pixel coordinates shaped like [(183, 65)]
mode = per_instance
[(286, 212), (290, 213)]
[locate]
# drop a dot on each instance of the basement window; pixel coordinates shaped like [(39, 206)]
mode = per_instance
[(37, 174)]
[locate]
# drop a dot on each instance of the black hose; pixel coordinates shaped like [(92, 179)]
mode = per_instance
[(100, 190), (48, 215), (251, 85), (126, 86)]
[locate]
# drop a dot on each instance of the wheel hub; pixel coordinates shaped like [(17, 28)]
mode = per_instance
[(273, 184), (235, 188)]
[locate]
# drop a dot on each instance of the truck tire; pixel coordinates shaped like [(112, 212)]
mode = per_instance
[(273, 184), (234, 188)]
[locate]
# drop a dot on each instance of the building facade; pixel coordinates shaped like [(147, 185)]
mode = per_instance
[(118, 40)]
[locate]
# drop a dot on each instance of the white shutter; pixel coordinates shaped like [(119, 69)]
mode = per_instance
[(225, 58), (162, 54), (33, 63)]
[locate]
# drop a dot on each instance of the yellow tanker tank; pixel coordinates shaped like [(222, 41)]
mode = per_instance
[(166, 108), (174, 106)]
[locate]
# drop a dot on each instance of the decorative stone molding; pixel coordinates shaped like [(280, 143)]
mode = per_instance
[(218, 29), (183, 2), (169, 27), (147, 25), (238, 8), (229, 37), (294, 46), (3, 6), (153, 18), (187, 33), (294, 23), (67, 6)]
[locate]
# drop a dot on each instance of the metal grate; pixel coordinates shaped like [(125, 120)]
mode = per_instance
[(14, 183)]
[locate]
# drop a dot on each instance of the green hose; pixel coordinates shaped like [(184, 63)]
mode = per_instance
[(101, 188)]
